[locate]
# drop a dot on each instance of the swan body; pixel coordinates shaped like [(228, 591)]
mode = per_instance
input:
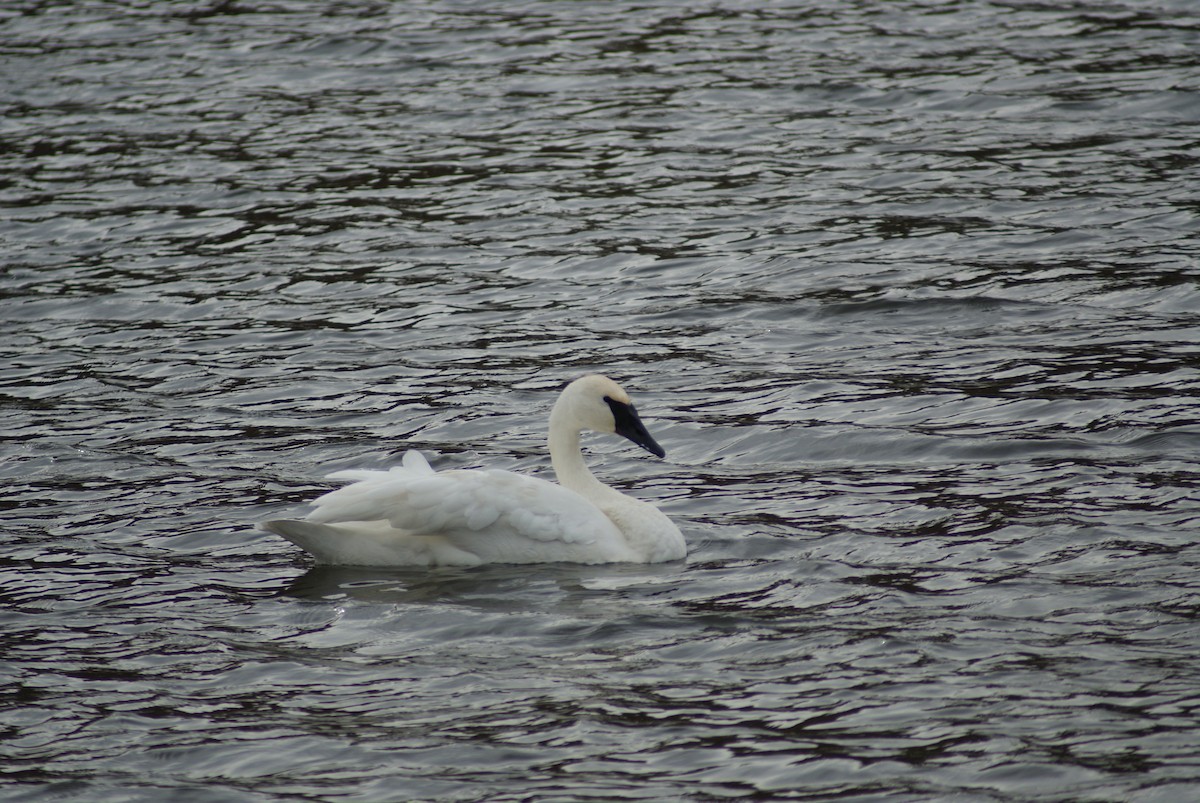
[(412, 515)]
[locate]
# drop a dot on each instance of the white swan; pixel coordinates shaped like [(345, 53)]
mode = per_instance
[(414, 516)]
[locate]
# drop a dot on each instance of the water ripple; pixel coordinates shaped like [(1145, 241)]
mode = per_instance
[(907, 291)]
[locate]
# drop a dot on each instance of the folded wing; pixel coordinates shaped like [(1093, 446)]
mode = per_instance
[(466, 507)]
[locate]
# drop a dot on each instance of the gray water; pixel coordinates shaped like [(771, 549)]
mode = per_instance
[(909, 291)]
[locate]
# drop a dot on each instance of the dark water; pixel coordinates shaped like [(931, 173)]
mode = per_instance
[(909, 291)]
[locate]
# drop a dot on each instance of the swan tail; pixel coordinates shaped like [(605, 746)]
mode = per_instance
[(367, 544), (307, 535)]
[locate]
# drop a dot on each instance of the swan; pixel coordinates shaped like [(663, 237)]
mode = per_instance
[(412, 515)]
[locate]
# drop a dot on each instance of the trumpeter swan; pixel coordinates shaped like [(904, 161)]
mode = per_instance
[(414, 516)]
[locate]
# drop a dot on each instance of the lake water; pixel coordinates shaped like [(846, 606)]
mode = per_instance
[(909, 291)]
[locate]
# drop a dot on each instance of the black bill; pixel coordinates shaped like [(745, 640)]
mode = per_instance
[(630, 426)]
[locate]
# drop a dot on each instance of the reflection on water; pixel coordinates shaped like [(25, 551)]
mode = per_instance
[(907, 292)]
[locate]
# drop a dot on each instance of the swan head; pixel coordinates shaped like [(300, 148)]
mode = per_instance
[(597, 403)]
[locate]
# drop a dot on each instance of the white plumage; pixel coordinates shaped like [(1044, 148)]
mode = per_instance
[(412, 515)]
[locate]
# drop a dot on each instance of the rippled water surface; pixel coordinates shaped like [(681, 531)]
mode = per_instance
[(909, 291)]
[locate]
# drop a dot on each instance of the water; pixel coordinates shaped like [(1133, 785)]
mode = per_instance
[(908, 291)]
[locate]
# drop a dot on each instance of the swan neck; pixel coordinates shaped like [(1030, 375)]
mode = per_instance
[(567, 458)]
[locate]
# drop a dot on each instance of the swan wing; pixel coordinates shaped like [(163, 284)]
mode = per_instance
[(415, 499)]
